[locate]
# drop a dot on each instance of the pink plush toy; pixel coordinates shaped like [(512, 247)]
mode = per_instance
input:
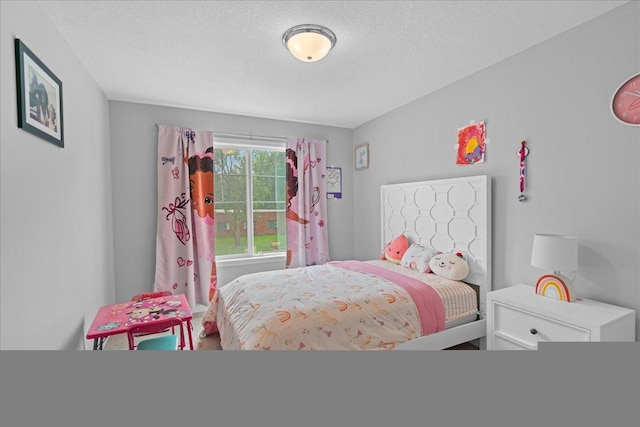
[(395, 249)]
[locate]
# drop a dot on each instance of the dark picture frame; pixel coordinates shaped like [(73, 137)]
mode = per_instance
[(39, 97)]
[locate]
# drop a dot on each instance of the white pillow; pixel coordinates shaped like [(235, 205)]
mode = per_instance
[(417, 257)]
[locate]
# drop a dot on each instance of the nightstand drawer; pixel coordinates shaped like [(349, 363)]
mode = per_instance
[(500, 343), (530, 328)]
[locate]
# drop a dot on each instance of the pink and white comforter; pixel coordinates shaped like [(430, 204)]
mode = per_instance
[(339, 305)]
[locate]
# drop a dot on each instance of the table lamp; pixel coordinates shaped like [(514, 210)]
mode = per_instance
[(556, 253)]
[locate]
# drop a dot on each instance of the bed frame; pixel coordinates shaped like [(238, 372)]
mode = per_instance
[(447, 215)]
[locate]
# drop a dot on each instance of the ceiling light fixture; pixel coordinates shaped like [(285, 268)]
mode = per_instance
[(308, 42)]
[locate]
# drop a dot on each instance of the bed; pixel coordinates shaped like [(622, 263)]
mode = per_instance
[(373, 304)]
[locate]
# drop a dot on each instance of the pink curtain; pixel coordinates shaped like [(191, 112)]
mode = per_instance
[(307, 236), (185, 246)]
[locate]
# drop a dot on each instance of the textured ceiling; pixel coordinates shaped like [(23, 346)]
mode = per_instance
[(227, 56)]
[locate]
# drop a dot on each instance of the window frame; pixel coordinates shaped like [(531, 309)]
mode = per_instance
[(248, 144)]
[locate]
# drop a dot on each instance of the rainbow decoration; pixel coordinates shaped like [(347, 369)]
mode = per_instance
[(283, 315), (342, 306), (556, 287), (389, 298)]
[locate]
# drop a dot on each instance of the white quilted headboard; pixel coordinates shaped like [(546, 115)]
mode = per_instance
[(447, 215)]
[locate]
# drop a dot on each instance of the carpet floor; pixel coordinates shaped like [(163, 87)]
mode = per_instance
[(212, 342)]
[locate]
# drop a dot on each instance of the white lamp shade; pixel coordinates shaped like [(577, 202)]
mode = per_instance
[(555, 252), (309, 43)]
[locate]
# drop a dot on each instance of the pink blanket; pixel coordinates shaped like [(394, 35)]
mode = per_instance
[(428, 302)]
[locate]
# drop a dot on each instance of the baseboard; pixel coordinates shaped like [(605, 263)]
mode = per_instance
[(199, 308)]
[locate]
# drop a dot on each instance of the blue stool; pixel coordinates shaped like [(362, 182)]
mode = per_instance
[(166, 342), (163, 342)]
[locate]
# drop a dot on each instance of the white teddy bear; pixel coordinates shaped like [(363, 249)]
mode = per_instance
[(450, 266)]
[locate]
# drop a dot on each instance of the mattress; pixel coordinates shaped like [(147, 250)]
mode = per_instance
[(460, 299)]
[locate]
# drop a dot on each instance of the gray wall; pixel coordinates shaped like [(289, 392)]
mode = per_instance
[(582, 171), (134, 150), (56, 226)]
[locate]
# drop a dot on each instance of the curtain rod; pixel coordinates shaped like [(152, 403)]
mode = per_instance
[(249, 137)]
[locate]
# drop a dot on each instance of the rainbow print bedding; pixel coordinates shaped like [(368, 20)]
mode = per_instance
[(335, 306)]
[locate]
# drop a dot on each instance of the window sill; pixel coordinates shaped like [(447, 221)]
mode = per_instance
[(261, 259)]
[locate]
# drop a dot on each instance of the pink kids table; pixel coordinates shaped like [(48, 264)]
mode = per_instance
[(117, 318)]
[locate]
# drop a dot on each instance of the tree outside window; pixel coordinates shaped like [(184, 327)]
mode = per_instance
[(249, 183)]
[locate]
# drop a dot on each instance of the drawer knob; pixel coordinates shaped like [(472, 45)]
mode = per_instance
[(533, 331)]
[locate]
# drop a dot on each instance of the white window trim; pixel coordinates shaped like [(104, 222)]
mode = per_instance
[(248, 144), (233, 260)]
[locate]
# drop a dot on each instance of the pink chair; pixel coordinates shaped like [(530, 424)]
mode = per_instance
[(148, 295), (142, 329)]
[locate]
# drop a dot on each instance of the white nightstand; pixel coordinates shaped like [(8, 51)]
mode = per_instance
[(518, 318)]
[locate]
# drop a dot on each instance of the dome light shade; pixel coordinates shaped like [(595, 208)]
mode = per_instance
[(309, 43)]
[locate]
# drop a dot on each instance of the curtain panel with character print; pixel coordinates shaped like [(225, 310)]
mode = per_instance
[(185, 245), (306, 207)]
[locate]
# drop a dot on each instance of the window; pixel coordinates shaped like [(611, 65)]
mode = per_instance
[(249, 183)]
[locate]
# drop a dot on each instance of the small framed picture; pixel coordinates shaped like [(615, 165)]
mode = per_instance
[(39, 97), (334, 182), (361, 156)]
